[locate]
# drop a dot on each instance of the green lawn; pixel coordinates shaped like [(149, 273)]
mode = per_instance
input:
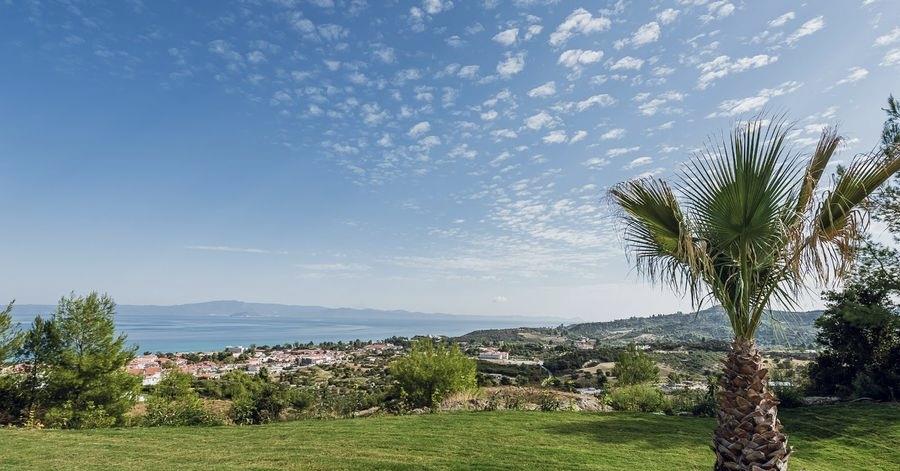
[(846, 437)]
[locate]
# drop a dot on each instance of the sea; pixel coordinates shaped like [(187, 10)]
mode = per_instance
[(211, 326)]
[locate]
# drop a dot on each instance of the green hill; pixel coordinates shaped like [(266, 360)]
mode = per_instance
[(778, 329), (845, 438)]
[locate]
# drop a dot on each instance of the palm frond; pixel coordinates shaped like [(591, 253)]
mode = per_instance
[(828, 143), (841, 217), (658, 234)]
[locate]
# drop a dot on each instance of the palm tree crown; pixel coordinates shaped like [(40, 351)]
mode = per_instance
[(747, 223)]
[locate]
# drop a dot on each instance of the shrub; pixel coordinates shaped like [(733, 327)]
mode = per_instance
[(185, 411), (635, 367), (549, 402), (639, 398), (788, 396), (261, 406), (431, 371), (84, 417)]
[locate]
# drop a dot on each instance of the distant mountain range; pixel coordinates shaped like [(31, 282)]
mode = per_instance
[(240, 309), (779, 328)]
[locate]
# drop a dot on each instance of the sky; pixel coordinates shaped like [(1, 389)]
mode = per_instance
[(439, 156)]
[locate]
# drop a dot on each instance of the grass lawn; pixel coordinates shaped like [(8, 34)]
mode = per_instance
[(845, 437)]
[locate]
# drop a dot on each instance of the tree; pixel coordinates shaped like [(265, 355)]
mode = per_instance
[(41, 347), (635, 367), (749, 228), (860, 331), (431, 371), (87, 384), (887, 200), (9, 337)]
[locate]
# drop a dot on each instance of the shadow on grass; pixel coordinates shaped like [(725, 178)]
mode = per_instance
[(658, 432), (855, 421)]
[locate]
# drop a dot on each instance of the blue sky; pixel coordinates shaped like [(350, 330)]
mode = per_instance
[(438, 156)]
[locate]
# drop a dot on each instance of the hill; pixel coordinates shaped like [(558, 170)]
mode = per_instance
[(845, 437), (779, 328)]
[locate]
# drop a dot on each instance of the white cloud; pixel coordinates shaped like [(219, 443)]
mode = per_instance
[(806, 29), (532, 31), (512, 65), (419, 129), (745, 105), (667, 16), (386, 54), (539, 120), (504, 134), (717, 10), (856, 74), (782, 20), (618, 151), (545, 90), (385, 140), (555, 137), (723, 65), (489, 115), (646, 34), (663, 71), (649, 104), (888, 39), (499, 299), (616, 133), (579, 21), (433, 7), (638, 162), (595, 163), (575, 58), (602, 100), (628, 63), (578, 136), (508, 37), (468, 71), (455, 41), (891, 58), (332, 32)]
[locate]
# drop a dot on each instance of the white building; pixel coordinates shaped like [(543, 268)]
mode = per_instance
[(495, 355)]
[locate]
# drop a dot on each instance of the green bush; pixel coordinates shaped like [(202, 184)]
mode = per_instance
[(635, 367), (431, 371), (639, 398), (185, 411), (261, 406), (86, 416)]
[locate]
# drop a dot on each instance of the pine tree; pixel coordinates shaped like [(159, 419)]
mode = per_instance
[(8, 335), (87, 382)]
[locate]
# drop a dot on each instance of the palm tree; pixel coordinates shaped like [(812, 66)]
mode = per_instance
[(748, 226)]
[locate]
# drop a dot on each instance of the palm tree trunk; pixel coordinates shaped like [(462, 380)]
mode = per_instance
[(749, 435)]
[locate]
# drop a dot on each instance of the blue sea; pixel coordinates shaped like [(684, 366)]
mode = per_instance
[(212, 326)]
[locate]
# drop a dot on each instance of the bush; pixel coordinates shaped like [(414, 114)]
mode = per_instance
[(788, 396), (635, 367), (85, 417), (639, 398), (261, 406), (698, 403), (431, 371), (185, 411)]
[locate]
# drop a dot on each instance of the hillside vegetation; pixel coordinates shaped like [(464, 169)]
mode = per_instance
[(779, 329), (845, 437)]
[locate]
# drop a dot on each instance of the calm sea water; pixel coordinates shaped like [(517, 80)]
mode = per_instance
[(212, 326)]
